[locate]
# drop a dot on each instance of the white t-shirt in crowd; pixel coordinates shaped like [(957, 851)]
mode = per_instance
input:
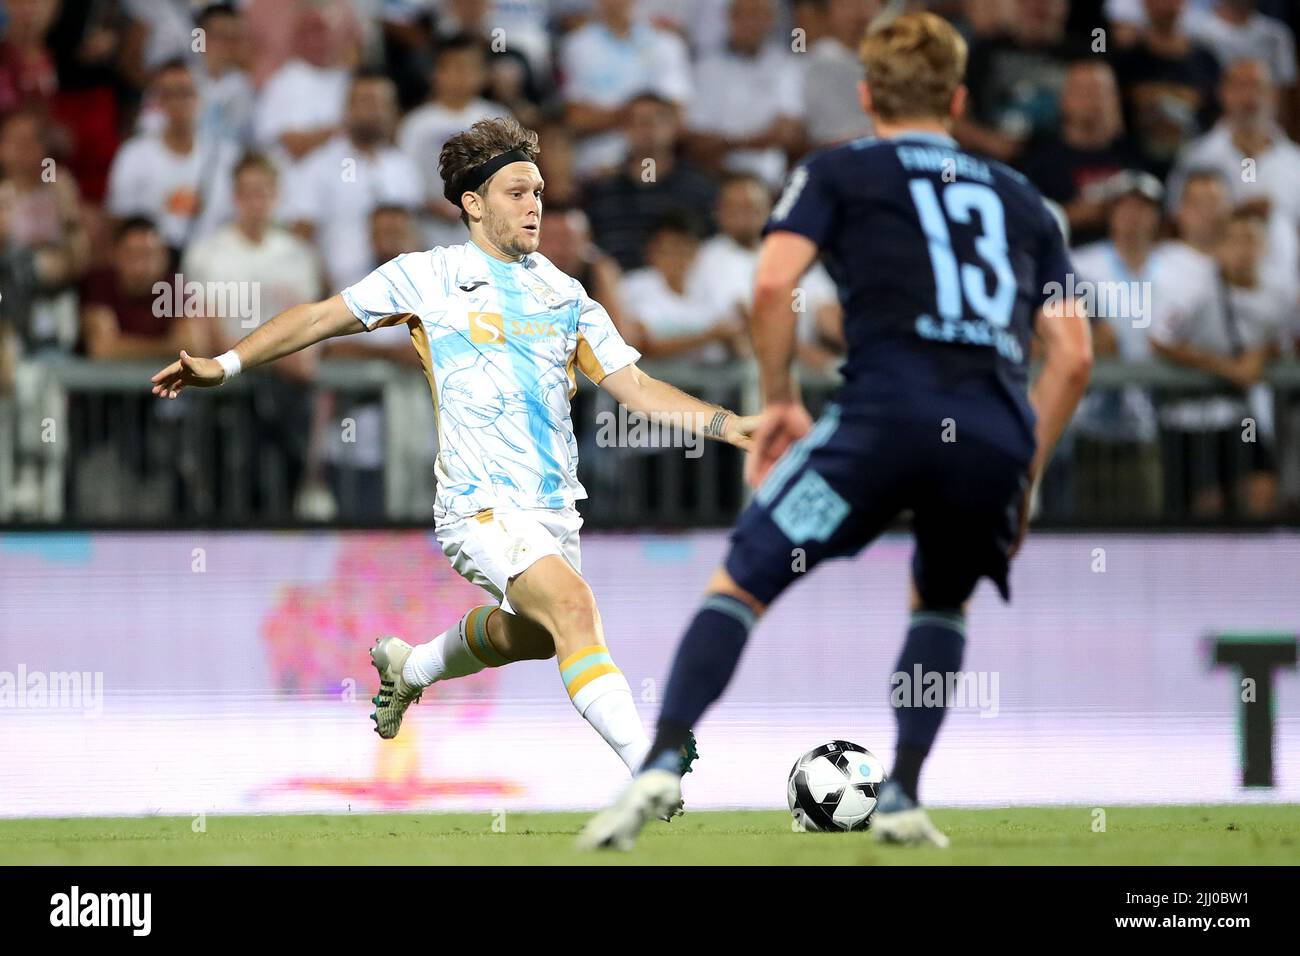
[(831, 111), (1275, 174), (1197, 309), (336, 188), (721, 282), (275, 274), (296, 98), (185, 194), (1259, 38), (607, 71), (738, 96), (1125, 301), (226, 105), (666, 314)]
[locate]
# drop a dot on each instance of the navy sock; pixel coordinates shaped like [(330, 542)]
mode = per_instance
[(705, 661), (935, 641)]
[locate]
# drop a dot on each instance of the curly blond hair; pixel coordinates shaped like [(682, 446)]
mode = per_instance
[(913, 65)]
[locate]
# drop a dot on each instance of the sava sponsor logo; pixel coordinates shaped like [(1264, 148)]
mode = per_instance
[(491, 328)]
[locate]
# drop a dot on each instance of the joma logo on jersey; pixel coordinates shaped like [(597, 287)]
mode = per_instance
[(489, 328)]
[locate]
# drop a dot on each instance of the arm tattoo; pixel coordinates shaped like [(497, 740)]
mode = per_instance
[(717, 427)]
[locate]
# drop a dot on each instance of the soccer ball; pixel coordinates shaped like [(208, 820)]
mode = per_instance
[(833, 787)]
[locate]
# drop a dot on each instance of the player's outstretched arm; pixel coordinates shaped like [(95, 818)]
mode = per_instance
[(638, 392), (290, 331)]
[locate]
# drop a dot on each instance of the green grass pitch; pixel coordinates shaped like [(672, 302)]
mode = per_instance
[(1182, 835)]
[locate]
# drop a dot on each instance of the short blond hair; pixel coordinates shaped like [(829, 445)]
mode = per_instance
[(914, 63)]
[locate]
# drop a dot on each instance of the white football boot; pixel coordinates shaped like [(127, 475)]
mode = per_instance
[(652, 794), (389, 657), (900, 819)]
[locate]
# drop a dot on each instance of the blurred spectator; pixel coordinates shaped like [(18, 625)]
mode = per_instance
[(555, 162), (454, 105), (1089, 150), (566, 241), (272, 268), (832, 70), (1015, 80), (332, 194), (356, 457), (301, 106), (722, 276), (1168, 82), (26, 68), (518, 67), (161, 31), (225, 90), (976, 18), (30, 274), (520, 23), (605, 65), (43, 199), (337, 35), (1201, 209), (120, 317), (250, 270), (1258, 163), (178, 178), (1116, 458), (44, 234), (1235, 30), (1225, 321), (1128, 18), (701, 23), (745, 114), (675, 323), (94, 92), (652, 181), (408, 39)]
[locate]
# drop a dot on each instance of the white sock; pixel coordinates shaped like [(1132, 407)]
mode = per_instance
[(600, 693), (449, 655)]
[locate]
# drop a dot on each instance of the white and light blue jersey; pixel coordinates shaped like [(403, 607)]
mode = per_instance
[(499, 342)]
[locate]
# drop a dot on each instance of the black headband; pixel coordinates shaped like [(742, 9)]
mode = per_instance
[(476, 176)]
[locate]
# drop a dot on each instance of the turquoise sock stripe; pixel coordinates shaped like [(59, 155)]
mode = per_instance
[(479, 636), (952, 621), (591, 660), (732, 607)]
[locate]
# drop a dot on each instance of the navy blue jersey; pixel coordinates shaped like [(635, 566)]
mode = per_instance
[(942, 260)]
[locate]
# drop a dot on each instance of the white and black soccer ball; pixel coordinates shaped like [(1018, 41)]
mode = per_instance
[(833, 787)]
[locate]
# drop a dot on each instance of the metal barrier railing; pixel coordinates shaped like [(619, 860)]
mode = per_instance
[(85, 444)]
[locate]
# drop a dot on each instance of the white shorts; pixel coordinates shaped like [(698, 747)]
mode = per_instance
[(492, 547)]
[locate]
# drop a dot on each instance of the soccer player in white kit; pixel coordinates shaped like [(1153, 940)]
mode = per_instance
[(499, 331)]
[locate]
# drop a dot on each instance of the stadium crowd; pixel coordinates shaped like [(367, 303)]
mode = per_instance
[(291, 146)]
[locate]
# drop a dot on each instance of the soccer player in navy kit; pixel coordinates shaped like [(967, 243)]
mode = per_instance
[(948, 265)]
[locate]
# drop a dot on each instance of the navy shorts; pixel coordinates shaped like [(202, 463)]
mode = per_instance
[(844, 483)]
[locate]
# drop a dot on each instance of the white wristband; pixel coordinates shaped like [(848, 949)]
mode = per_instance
[(230, 365)]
